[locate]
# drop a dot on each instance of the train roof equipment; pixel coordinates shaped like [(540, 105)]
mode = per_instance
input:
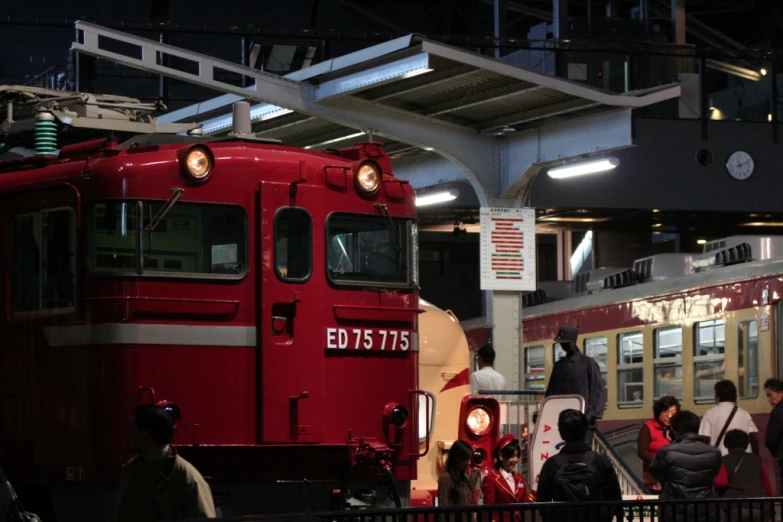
[(726, 259)]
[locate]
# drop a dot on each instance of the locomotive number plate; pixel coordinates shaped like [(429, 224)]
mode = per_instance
[(370, 339)]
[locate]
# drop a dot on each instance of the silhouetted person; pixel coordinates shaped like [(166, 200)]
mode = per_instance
[(158, 484), (578, 374)]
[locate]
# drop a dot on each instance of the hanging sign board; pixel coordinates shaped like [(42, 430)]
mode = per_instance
[(508, 249)]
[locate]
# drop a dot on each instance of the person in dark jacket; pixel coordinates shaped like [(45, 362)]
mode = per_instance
[(747, 478), (572, 425), (578, 374), (774, 436), (687, 469)]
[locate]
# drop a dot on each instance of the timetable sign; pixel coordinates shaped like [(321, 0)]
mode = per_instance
[(508, 249)]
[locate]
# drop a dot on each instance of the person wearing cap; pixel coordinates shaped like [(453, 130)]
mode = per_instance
[(578, 374), (486, 378), (158, 484), (503, 485)]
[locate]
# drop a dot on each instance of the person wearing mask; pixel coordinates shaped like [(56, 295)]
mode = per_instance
[(747, 478), (486, 377), (158, 484), (727, 415), (503, 485), (455, 486), (687, 468), (578, 374), (774, 436), (655, 434)]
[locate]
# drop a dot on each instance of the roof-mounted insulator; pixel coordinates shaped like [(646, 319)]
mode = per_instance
[(45, 134)]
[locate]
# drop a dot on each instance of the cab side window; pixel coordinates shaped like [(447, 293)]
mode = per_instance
[(43, 261), (293, 245)]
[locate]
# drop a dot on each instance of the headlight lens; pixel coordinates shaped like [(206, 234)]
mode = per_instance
[(368, 177), (479, 456), (399, 416), (479, 421), (198, 163)]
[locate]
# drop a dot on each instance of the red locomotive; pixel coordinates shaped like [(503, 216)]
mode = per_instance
[(266, 295)]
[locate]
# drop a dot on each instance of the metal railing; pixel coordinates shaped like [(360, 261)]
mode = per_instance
[(630, 483), (712, 509), (625, 442)]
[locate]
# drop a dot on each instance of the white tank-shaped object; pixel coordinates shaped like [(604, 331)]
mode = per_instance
[(444, 362)]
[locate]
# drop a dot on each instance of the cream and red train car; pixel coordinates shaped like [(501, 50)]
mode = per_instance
[(674, 325), (445, 361)]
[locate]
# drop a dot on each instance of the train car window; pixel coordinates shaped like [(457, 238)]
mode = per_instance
[(367, 250), (630, 370), (534, 368), (557, 352), (293, 245), (668, 362), (596, 347), (708, 359), (189, 239), (43, 265), (748, 359)]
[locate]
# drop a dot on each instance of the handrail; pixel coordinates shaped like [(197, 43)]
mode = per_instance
[(618, 461), (611, 432)]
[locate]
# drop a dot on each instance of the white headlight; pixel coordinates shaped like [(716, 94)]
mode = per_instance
[(198, 163), (368, 177), (479, 421)]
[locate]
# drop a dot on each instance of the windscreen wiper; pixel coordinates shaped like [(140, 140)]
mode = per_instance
[(395, 241), (176, 193)]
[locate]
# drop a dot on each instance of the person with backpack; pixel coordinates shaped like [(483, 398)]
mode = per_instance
[(687, 468), (578, 474)]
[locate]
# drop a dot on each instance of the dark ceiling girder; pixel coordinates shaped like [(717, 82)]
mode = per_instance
[(367, 13)]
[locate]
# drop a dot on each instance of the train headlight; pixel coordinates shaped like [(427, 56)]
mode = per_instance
[(198, 163), (479, 421), (396, 414), (479, 456), (368, 177)]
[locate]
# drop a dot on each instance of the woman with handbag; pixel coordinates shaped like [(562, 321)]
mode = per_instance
[(654, 435)]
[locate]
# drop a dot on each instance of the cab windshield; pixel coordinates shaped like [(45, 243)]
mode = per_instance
[(370, 250), (135, 237)]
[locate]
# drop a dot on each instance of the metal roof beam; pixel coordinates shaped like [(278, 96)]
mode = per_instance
[(535, 114), (367, 13), (425, 82), (525, 10), (480, 98), (375, 77), (472, 151)]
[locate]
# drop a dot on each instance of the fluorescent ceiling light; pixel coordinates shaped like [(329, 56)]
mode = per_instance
[(574, 219), (435, 197), (585, 167), (763, 224), (335, 140)]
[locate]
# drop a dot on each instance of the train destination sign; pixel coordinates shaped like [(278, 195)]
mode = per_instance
[(508, 249)]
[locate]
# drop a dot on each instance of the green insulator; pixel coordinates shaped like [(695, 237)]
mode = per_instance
[(45, 137)]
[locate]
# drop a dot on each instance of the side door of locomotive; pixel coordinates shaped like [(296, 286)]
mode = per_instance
[(291, 303)]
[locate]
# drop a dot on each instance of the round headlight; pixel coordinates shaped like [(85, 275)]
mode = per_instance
[(479, 456), (198, 163), (399, 416), (368, 177), (479, 421)]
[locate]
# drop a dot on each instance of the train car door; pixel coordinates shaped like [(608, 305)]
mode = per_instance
[(291, 359)]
